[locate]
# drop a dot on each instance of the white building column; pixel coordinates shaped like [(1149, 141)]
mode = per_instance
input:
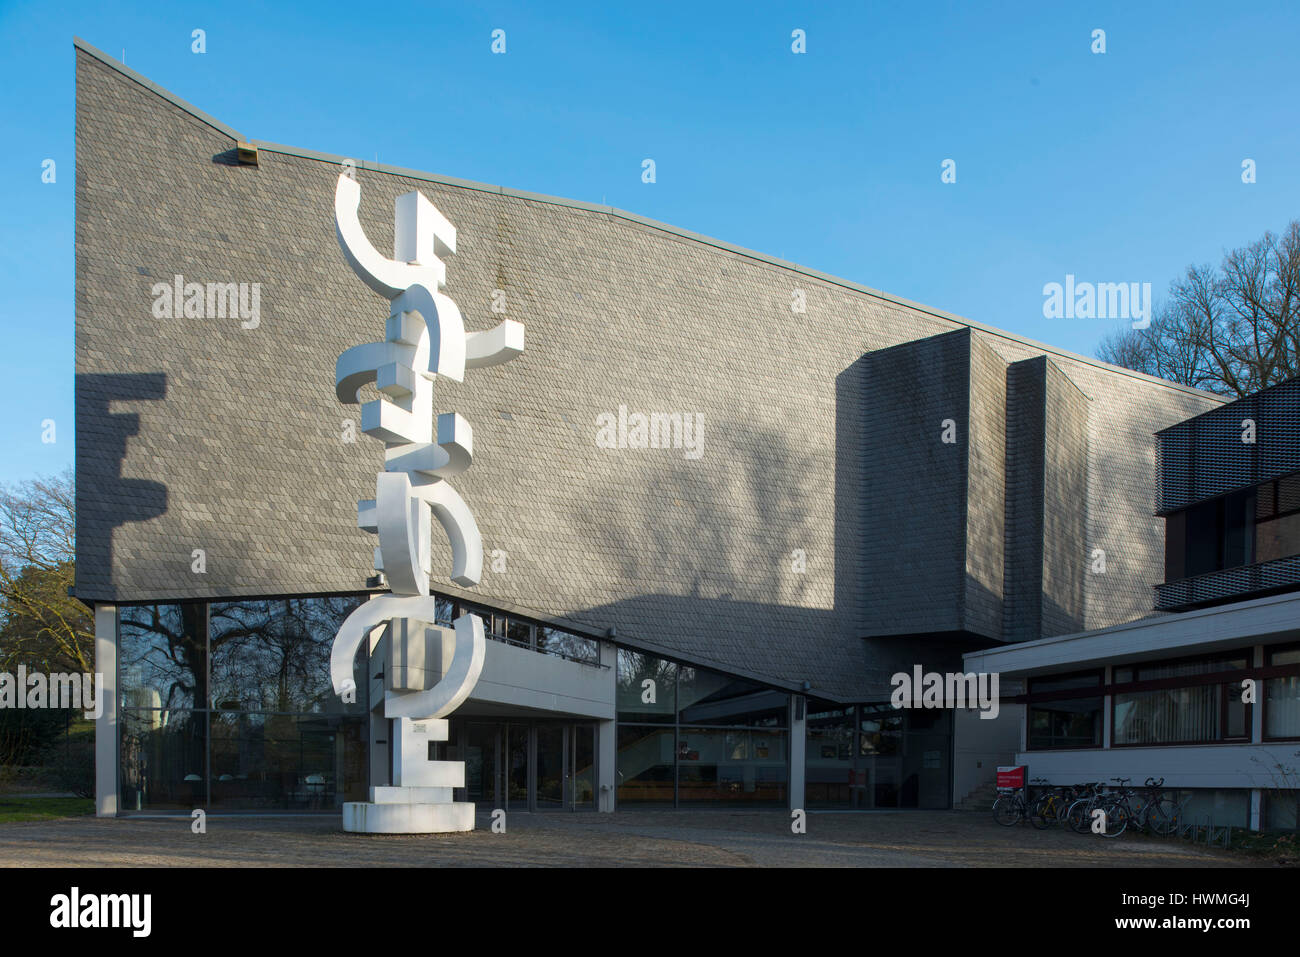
[(106, 749), (606, 743), (1257, 737), (798, 741)]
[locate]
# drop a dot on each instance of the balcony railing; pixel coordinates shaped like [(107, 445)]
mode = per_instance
[(1228, 583)]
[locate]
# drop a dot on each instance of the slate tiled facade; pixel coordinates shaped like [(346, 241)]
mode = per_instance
[(201, 434)]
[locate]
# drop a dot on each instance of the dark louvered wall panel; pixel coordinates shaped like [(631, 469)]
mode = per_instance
[(1205, 456)]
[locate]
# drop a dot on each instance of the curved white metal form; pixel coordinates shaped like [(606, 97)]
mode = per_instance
[(462, 531), (492, 347), (402, 521), (458, 680), (388, 277), (446, 328), (360, 366), (412, 287)]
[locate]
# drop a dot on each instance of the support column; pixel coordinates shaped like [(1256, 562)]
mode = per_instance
[(1257, 737), (798, 746), (606, 742), (106, 745), (1257, 709)]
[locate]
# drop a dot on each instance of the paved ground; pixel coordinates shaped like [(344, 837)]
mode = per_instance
[(632, 839)]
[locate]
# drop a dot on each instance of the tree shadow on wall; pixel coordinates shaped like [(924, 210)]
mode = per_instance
[(718, 537)]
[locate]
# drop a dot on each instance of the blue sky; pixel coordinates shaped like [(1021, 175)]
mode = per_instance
[(1115, 167)]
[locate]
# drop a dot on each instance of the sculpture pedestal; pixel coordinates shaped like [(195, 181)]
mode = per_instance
[(419, 801), (402, 817)]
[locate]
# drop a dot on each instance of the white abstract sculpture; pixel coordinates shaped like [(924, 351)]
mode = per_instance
[(424, 337)]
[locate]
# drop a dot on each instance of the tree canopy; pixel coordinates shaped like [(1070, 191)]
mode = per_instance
[(1232, 329)]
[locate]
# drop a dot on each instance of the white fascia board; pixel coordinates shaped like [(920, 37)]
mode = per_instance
[(1261, 620)]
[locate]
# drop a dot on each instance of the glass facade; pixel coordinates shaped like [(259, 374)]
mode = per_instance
[(828, 758), (689, 736), (876, 756), (543, 765), (229, 705)]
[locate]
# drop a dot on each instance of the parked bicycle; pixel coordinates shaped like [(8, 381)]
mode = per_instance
[(1010, 808)]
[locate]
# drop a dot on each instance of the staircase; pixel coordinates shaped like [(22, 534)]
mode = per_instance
[(981, 799)]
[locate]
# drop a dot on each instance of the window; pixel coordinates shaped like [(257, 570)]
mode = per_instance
[(1255, 525), (274, 654), (647, 689), (1277, 519), (524, 634), (1067, 721), (553, 641), (162, 655), (1180, 711), (1210, 536), (734, 766), (881, 731), (707, 697), (1282, 698)]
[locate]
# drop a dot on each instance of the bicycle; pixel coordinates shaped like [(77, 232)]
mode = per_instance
[(1010, 808), (1117, 811), (1078, 817), (1051, 806), (1161, 814)]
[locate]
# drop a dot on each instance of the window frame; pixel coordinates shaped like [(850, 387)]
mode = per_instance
[(1269, 652), (1033, 698), (1220, 679)]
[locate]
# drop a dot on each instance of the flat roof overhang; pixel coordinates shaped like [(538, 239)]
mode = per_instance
[(1268, 620)]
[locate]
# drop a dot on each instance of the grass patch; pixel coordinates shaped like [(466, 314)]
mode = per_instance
[(14, 810)]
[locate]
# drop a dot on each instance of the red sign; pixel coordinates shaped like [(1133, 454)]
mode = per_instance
[(1011, 779)]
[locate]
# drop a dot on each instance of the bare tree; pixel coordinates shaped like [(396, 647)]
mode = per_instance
[(1232, 330), (40, 624)]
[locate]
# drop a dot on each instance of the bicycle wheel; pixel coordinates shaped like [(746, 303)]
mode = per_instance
[(1008, 810), (1162, 818), (1117, 818), (1044, 811), (1079, 817)]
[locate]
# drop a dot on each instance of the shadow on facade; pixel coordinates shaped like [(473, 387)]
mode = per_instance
[(105, 499)]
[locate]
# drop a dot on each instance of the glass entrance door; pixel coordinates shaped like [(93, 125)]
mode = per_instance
[(565, 777), (529, 766), (551, 768), (582, 768), (481, 753), (517, 740)]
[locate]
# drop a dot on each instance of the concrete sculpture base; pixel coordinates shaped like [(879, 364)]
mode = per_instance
[(408, 818), (420, 800)]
